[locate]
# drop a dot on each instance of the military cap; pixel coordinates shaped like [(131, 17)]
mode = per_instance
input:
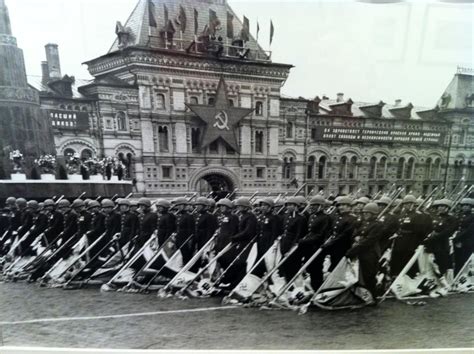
[(144, 201), (467, 201), (301, 200), (280, 202), (163, 203), (78, 203), (419, 201), (371, 208), (64, 203), (93, 204), (33, 204), (211, 202), (134, 203), (226, 202), (49, 202), (362, 200), (21, 201), (317, 200), (180, 201), (11, 200), (443, 202), (41, 205), (124, 201), (107, 203), (343, 200), (384, 200), (243, 201), (257, 201), (292, 200), (268, 201), (201, 201), (409, 198), (87, 201)]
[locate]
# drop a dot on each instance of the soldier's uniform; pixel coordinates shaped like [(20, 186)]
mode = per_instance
[(228, 224), (40, 224), (205, 223), (129, 225), (166, 226), (366, 248), (437, 242), (185, 227), (55, 227), (464, 241)]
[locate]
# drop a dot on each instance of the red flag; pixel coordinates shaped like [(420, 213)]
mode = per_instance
[(272, 32)]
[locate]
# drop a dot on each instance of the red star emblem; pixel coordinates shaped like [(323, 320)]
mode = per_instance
[(221, 119)]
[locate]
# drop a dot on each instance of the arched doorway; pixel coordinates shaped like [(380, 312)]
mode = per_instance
[(219, 184)]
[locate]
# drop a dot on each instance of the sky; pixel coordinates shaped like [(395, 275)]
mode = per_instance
[(368, 50)]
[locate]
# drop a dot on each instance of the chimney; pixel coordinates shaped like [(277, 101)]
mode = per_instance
[(340, 97), (398, 102), (45, 72), (52, 57)]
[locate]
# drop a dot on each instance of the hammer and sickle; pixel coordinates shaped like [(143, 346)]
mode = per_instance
[(222, 121)]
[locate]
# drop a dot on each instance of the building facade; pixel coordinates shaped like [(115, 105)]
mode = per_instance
[(188, 101)]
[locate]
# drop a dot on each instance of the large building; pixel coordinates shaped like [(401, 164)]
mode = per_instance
[(188, 100)]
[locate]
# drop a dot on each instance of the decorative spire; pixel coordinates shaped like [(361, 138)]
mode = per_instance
[(5, 27)]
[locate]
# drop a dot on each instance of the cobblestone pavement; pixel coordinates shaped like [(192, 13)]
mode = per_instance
[(205, 324)]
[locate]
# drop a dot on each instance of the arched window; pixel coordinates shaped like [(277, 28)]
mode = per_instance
[(289, 130), (211, 101), (310, 168), (400, 168), (381, 168), (288, 168), (352, 169), (69, 152), (84, 108), (410, 168), (160, 101), (63, 107), (86, 154), (373, 167), (77, 108), (259, 108), (436, 170), (470, 170), (193, 100), (458, 169), (163, 138), (343, 168), (322, 167), (428, 168), (259, 142), (195, 137), (121, 121), (231, 102)]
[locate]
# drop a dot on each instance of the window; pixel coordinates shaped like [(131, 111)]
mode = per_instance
[(428, 167), (166, 172), (343, 168), (121, 121), (195, 137), (458, 169), (193, 100), (211, 101), (322, 167), (462, 138), (313, 133), (436, 170), (108, 124), (288, 168), (163, 138), (86, 154), (310, 168), (214, 147), (259, 142), (160, 101), (259, 108), (400, 168), (69, 152), (410, 168), (352, 170), (231, 102), (289, 130), (260, 172), (470, 171), (381, 168), (373, 167), (77, 108)]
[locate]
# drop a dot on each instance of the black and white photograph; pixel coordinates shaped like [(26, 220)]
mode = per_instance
[(236, 175)]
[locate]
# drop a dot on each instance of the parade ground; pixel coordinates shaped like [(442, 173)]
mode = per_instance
[(87, 318)]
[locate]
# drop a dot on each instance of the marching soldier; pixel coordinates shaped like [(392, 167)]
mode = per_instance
[(366, 246), (148, 223), (28, 217), (437, 242), (463, 242), (358, 206), (166, 221), (228, 224), (390, 224), (56, 222), (411, 233), (129, 223), (185, 227), (319, 230), (343, 227), (40, 223), (206, 223)]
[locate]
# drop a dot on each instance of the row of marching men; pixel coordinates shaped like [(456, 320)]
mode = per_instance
[(248, 249)]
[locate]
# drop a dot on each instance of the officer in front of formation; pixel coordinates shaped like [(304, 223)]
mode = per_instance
[(463, 242)]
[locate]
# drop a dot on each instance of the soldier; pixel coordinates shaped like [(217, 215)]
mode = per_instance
[(358, 206), (390, 224), (27, 219), (12, 224), (166, 221), (366, 246), (206, 223), (97, 222), (134, 207), (463, 242), (412, 231), (294, 229), (40, 223), (228, 224), (343, 227), (437, 243), (70, 220), (56, 222), (319, 230), (129, 223), (185, 227), (148, 223)]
